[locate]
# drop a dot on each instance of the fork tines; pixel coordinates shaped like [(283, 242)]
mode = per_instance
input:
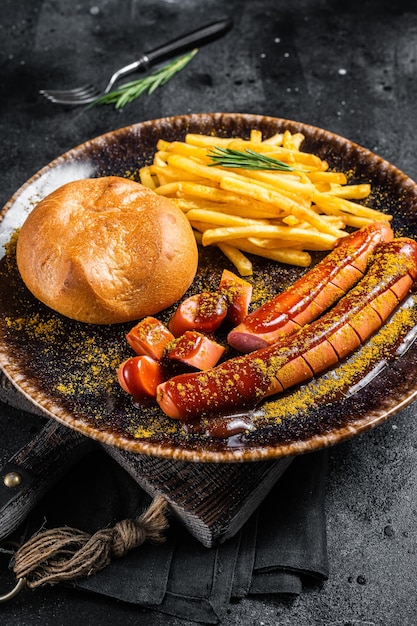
[(69, 96)]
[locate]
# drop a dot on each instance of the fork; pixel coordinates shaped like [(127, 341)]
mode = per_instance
[(88, 93)]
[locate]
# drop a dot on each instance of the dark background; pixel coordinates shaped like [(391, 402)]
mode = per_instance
[(348, 67)]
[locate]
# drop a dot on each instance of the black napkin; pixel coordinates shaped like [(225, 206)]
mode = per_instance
[(279, 549)]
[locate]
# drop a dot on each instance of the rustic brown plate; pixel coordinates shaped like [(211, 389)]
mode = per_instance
[(68, 369)]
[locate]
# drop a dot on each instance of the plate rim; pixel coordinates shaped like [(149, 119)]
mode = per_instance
[(253, 453)]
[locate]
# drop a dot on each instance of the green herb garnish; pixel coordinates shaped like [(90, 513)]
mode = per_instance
[(247, 159), (128, 92)]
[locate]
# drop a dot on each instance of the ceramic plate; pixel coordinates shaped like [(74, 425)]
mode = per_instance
[(68, 369)]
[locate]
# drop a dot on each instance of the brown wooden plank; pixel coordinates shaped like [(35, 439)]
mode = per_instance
[(212, 501)]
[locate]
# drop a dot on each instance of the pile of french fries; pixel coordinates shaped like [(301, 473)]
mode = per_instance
[(280, 215)]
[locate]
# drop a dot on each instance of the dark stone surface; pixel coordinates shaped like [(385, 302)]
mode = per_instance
[(347, 67)]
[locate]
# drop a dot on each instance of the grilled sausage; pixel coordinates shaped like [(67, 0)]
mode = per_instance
[(313, 293), (242, 382)]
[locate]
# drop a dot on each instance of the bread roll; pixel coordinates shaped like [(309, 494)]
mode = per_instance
[(106, 250)]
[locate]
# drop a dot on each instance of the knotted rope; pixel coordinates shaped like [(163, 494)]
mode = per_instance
[(65, 554)]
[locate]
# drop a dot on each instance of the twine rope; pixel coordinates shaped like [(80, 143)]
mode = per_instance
[(64, 554)]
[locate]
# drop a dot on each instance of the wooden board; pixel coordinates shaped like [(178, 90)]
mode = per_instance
[(212, 501)]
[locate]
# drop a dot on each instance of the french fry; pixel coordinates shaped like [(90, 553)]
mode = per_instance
[(296, 158), (197, 236), (241, 209), (186, 149), (257, 182), (167, 173), (206, 141), (327, 201), (278, 214), (283, 203), (338, 221), (237, 258), (292, 141), (146, 177), (255, 136), (284, 182), (168, 189), (274, 140), (284, 233), (160, 159), (274, 244), (352, 192), (162, 144), (221, 219), (201, 227), (291, 220), (327, 177), (355, 221), (277, 201), (290, 256)]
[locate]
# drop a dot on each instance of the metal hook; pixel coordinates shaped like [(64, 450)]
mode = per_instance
[(21, 582)]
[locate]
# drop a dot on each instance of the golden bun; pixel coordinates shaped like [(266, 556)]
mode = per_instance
[(106, 250)]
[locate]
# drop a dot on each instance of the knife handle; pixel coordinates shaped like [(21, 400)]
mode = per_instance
[(32, 471), (189, 41)]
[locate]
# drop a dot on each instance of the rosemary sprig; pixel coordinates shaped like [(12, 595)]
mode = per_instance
[(247, 159), (127, 92)]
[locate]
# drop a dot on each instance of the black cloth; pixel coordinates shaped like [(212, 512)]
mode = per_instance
[(279, 549)]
